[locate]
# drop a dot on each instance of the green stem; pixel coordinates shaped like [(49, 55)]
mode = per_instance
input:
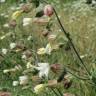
[(54, 91), (81, 78), (70, 40), (59, 92)]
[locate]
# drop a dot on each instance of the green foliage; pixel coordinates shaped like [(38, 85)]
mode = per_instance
[(82, 30)]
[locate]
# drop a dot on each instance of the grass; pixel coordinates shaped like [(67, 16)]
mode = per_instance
[(78, 19)]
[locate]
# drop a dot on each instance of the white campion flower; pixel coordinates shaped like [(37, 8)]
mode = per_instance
[(4, 51), (93, 2), (6, 25), (12, 45), (83, 56), (2, 1), (24, 56), (43, 69), (9, 70), (41, 51), (15, 83), (29, 38), (29, 65), (26, 21), (6, 71), (18, 67), (2, 37), (39, 88), (46, 50), (23, 80)]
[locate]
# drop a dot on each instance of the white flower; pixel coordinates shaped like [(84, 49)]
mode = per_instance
[(43, 69), (39, 88), (2, 37), (83, 56), (12, 45), (6, 71), (6, 25), (29, 38), (48, 49), (29, 65), (41, 51), (93, 2), (26, 21), (18, 67), (4, 51), (15, 83), (24, 56), (23, 80), (2, 1)]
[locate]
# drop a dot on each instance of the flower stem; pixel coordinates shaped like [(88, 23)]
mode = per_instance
[(70, 40), (54, 91), (59, 91), (68, 37)]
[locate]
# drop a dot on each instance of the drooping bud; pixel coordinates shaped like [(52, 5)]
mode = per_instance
[(45, 33), (13, 23), (55, 67), (26, 8), (48, 10), (68, 94), (67, 81)]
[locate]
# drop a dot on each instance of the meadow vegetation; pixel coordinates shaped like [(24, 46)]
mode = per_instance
[(34, 47)]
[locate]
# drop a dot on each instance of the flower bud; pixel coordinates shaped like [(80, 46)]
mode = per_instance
[(55, 68), (5, 94), (52, 37), (13, 23), (48, 10), (67, 81), (68, 94), (26, 8), (52, 83), (45, 33)]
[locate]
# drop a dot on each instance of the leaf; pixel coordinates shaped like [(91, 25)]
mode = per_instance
[(39, 14)]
